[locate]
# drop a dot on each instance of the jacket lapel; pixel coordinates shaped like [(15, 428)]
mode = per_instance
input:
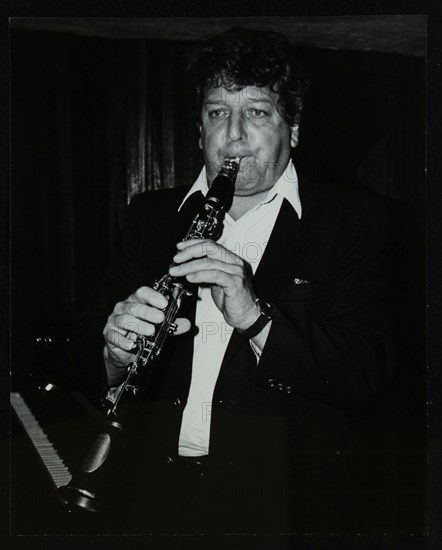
[(287, 247), (187, 212), (311, 215), (280, 254), (289, 244)]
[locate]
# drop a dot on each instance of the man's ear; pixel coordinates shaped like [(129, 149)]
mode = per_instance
[(294, 135)]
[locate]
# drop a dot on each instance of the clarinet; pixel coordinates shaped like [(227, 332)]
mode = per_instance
[(88, 488)]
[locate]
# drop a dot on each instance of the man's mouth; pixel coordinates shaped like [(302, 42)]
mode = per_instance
[(240, 156)]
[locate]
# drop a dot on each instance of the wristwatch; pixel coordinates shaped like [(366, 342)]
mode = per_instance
[(267, 314)]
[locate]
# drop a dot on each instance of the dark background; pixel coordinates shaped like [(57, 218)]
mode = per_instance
[(98, 116)]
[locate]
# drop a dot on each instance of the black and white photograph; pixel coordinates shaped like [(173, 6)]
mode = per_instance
[(218, 276)]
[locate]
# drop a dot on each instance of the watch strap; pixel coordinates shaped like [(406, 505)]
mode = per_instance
[(265, 317)]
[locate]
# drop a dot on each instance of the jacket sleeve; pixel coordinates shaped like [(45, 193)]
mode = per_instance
[(332, 340)]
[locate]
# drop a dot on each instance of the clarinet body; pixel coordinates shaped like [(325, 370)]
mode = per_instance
[(88, 487)]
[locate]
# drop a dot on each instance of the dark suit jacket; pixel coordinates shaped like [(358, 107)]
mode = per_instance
[(329, 350)]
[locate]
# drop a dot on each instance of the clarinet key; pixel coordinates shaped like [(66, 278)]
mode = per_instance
[(172, 328)]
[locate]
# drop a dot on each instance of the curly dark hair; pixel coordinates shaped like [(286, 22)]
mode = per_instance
[(241, 57)]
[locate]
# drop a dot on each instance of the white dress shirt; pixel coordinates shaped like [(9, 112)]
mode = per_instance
[(247, 237)]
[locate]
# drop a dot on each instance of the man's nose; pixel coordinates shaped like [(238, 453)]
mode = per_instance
[(236, 130)]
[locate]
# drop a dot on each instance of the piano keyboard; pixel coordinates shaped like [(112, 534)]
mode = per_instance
[(55, 466)]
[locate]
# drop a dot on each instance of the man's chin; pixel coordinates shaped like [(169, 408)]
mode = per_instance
[(247, 188), (249, 176)]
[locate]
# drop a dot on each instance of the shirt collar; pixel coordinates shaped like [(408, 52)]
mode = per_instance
[(286, 186)]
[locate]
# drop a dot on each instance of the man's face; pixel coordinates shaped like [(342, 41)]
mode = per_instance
[(246, 123)]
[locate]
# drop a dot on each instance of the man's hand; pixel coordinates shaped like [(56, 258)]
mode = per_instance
[(137, 315), (228, 275)]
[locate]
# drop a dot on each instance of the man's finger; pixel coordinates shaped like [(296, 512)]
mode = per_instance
[(212, 276), (197, 248), (143, 312), (204, 264), (118, 340), (183, 325), (131, 324), (147, 295)]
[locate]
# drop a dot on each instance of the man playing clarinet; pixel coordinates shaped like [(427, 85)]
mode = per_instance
[(244, 425)]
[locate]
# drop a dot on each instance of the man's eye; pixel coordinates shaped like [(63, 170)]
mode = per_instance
[(258, 113), (215, 113)]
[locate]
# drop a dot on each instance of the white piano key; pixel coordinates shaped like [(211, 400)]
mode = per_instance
[(55, 466)]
